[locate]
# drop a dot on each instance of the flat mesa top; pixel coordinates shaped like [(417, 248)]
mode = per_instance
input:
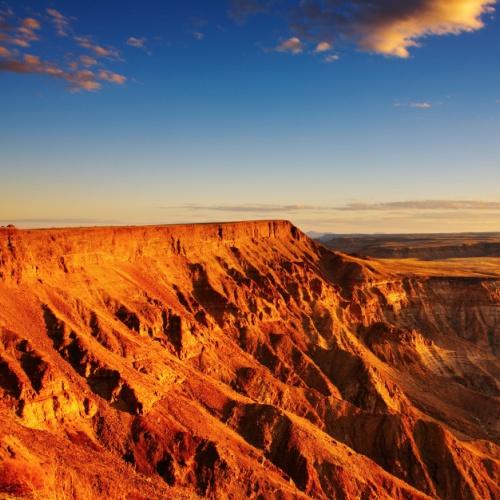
[(35, 245), (187, 225), (187, 232)]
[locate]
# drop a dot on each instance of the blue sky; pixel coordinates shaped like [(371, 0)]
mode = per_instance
[(163, 111)]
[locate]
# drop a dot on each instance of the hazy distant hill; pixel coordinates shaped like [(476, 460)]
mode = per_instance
[(420, 246)]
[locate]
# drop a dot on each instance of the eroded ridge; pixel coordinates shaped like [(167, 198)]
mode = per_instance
[(240, 359)]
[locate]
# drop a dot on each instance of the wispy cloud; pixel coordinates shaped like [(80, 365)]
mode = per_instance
[(87, 42), (291, 45), (28, 29), (18, 34), (248, 208), (410, 205), (138, 43), (414, 104), (425, 205), (61, 22), (111, 77), (197, 28), (329, 58), (420, 105), (77, 79), (88, 61), (391, 216)]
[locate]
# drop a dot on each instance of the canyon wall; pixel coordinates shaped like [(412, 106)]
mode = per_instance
[(240, 359)]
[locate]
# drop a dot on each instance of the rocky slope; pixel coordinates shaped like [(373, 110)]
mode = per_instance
[(240, 360)]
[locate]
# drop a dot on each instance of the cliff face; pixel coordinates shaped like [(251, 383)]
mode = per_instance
[(231, 360)]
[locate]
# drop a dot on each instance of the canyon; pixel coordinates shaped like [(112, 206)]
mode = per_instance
[(243, 360), (434, 246)]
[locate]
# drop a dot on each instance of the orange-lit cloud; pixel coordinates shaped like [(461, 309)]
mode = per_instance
[(30, 24), (323, 47), (17, 34), (109, 76), (27, 32), (78, 80), (439, 17), (85, 83), (86, 42), (22, 35), (388, 27), (88, 61), (291, 45)]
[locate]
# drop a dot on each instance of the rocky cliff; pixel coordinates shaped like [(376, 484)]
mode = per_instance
[(240, 360)]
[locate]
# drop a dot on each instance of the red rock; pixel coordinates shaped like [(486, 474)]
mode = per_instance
[(240, 360)]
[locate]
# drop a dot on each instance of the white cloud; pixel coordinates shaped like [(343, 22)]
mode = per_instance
[(329, 58), (420, 105), (413, 104), (138, 43)]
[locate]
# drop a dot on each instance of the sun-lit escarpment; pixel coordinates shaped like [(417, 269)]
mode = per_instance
[(240, 360)]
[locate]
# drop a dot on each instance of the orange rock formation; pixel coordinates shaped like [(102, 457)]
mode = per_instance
[(240, 360)]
